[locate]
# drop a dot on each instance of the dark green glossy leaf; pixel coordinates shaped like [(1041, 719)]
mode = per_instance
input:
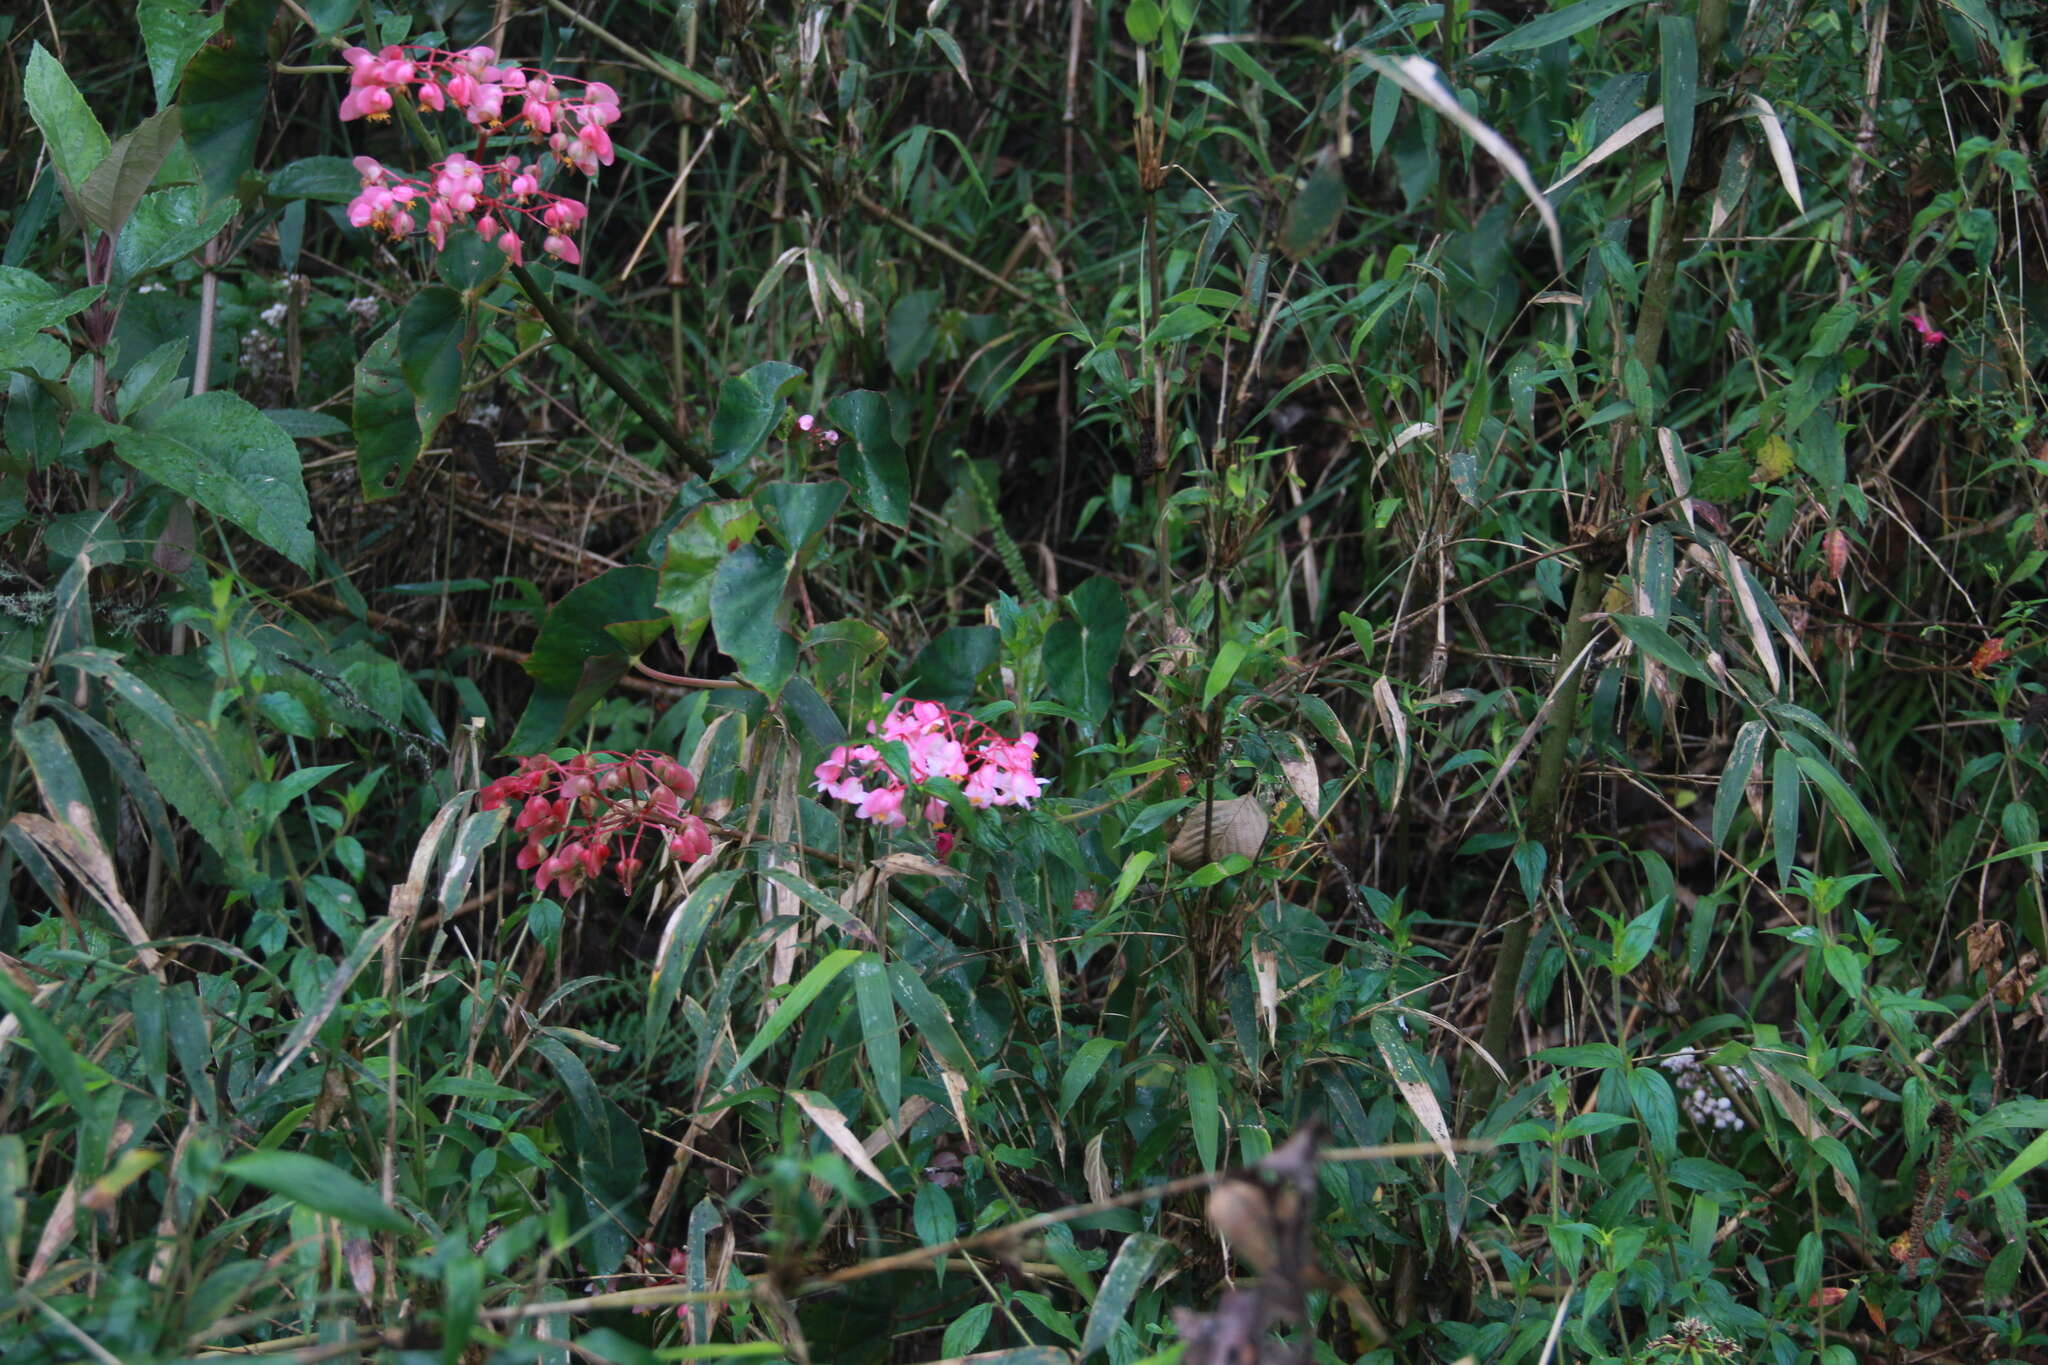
[(798, 513), (577, 658), (431, 333), (1137, 1260), (697, 546), (166, 227), (172, 31), (746, 612), (950, 666), (1678, 77), (225, 94), (387, 434), (1081, 648), (869, 458), (750, 406), (1555, 26)]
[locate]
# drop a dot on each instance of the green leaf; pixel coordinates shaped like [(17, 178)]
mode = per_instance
[(172, 31), (878, 1030), (430, 332), (165, 228), (934, 1218), (1082, 1070), (329, 179), (1127, 880), (1555, 26), (965, 1332), (869, 458), (949, 668), (1636, 940), (1650, 1095), (793, 1006), (1735, 775), (1853, 813), (1142, 19), (1228, 660), (1313, 214), (313, 1183), (798, 513), (1140, 1256), (232, 460), (1183, 322), (224, 96), (28, 303), (746, 610), (1649, 635), (697, 546), (1205, 1113), (387, 433), (117, 184), (1785, 790), (75, 138), (578, 657), (60, 1061), (750, 407), (1081, 648), (929, 1016), (2031, 1157), (1678, 83)]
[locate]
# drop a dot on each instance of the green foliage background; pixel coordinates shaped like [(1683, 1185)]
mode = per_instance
[(1556, 491)]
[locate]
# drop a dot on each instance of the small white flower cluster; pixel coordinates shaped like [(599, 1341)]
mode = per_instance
[(153, 287), (1696, 1093), (262, 352), (364, 308), (274, 316)]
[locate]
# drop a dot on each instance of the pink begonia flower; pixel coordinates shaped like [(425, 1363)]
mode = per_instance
[(372, 102), (940, 743), (601, 103), (884, 806), (1929, 336), (501, 195)]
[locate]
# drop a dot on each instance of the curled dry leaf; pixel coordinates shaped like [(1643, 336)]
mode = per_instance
[(1236, 825), (1299, 768), (1985, 944)]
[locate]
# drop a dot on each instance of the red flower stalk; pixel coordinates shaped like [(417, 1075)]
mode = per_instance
[(600, 807)]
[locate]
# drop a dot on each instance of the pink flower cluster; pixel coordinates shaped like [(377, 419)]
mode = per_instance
[(604, 803), (1930, 335), (823, 436), (990, 770), (496, 192)]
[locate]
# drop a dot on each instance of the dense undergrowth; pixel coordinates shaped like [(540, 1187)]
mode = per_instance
[(1032, 681)]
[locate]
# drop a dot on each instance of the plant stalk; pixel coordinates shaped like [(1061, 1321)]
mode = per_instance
[(1546, 792), (600, 365)]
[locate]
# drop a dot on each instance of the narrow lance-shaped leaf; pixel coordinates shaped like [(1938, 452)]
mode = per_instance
[(1679, 84), (1140, 1256)]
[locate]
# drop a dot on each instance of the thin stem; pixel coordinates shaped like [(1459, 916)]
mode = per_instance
[(567, 333)]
